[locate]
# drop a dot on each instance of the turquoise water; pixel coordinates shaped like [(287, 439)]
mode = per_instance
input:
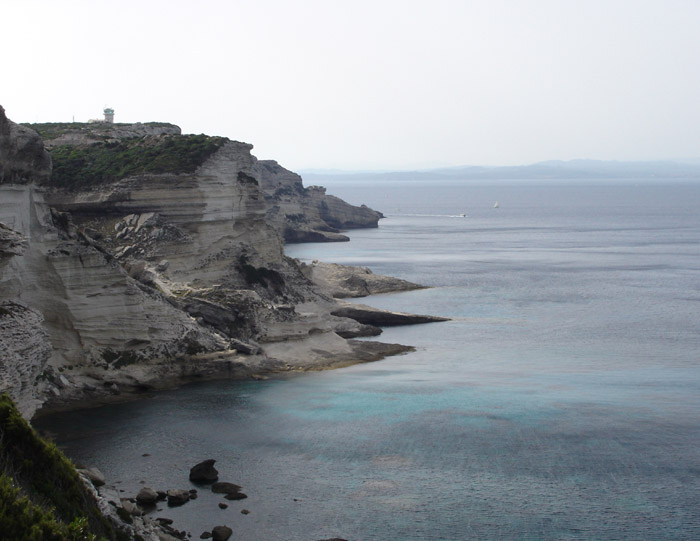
[(561, 401)]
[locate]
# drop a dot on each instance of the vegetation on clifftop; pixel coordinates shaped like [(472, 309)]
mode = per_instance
[(83, 166), (41, 495), (52, 130)]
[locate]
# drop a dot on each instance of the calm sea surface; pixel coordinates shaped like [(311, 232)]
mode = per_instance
[(561, 402)]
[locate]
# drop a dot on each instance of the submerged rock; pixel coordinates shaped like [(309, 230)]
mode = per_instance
[(225, 488), (236, 496), (231, 490)]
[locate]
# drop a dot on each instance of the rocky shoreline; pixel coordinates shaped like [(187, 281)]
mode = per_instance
[(312, 350), (136, 514)]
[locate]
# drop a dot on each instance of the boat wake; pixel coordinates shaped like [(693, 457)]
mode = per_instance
[(430, 215)]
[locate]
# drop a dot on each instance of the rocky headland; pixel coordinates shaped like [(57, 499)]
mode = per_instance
[(134, 258)]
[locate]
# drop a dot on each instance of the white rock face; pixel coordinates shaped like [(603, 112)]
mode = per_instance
[(209, 218), (115, 317), (88, 309)]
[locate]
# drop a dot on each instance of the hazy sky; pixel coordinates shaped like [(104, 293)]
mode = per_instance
[(392, 84)]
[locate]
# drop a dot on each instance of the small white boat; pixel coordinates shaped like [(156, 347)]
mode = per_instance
[(463, 215), (495, 205)]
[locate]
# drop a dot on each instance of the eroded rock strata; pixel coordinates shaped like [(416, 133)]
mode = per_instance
[(145, 261)]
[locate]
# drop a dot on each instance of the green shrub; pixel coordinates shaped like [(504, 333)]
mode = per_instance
[(83, 166), (53, 495), (21, 519)]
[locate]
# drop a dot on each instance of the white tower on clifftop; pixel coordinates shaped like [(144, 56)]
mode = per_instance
[(109, 115)]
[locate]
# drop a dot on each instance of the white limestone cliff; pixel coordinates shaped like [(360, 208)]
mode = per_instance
[(150, 281)]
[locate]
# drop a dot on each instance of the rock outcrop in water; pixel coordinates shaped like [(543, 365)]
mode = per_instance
[(142, 263)]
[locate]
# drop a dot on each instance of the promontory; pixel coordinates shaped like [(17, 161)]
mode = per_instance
[(134, 258)]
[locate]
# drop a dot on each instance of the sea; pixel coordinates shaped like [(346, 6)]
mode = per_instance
[(561, 400)]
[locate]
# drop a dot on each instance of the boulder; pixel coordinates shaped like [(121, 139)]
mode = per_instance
[(178, 496), (204, 472), (147, 496), (221, 533), (96, 477), (129, 507)]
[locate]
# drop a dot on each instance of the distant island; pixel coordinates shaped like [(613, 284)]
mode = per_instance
[(547, 170)]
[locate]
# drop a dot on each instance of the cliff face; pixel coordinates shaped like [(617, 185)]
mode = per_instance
[(25, 350), (308, 214), (148, 279)]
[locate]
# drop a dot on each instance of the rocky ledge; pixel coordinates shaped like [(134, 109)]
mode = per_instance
[(346, 281), (368, 315)]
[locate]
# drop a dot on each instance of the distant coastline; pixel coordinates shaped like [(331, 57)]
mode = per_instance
[(547, 170)]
